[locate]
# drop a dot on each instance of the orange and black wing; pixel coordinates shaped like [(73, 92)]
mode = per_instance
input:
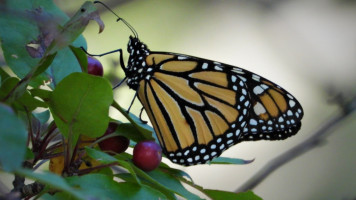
[(199, 108)]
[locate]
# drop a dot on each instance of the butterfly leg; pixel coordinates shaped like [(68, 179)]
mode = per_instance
[(142, 121), (128, 110), (121, 82), (107, 53)]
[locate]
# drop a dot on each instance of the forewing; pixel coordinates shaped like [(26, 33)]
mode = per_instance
[(199, 108), (192, 104)]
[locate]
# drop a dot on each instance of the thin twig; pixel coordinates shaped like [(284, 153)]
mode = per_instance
[(312, 142)]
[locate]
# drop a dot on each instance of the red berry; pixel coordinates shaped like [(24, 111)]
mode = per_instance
[(95, 67), (147, 155), (116, 144)]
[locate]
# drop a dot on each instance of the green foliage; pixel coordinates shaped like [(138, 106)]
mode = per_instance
[(13, 137), (235, 161), (223, 195), (80, 105), (21, 25), (111, 189), (52, 180), (53, 110)]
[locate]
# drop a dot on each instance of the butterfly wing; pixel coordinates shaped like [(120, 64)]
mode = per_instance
[(274, 114), (199, 108)]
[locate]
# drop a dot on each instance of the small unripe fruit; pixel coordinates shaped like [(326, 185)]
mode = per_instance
[(147, 155), (116, 144), (95, 67)]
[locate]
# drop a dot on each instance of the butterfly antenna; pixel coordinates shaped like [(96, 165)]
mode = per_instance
[(119, 18)]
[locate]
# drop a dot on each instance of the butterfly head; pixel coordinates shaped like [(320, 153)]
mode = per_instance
[(137, 66)]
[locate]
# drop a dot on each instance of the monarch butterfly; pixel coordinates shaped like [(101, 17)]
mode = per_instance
[(199, 107)]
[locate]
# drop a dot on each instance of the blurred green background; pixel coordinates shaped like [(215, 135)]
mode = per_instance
[(306, 46)]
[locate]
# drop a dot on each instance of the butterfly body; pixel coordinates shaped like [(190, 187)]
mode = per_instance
[(199, 107)]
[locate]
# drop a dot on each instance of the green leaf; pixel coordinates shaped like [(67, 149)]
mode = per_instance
[(20, 88), (42, 66), (64, 64), (224, 195), (106, 159), (164, 182), (45, 95), (16, 31), (52, 180), (104, 187), (75, 26), (6, 87), (29, 154), (100, 156), (130, 131), (58, 196), (174, 172), (37, 25), (3, 75), (13, 136), (21, 102), (144, 129), (80, 105), (225, 160), (81, 57), (43, 117), (170, 194), (172, 183)]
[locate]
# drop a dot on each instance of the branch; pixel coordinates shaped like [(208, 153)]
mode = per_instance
[(315, 140)]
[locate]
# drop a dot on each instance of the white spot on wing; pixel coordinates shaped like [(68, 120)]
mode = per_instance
[(280, 119), (253, 122), (258, 90), (205, 66), (290, 113), (181, 57), (242, 98), (256, 77), (264, 86), (242, 78), (237, 132), (291, 103), (217, 68), (259, 109)]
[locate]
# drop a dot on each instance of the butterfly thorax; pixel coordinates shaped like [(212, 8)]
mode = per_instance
[(137, 67)]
